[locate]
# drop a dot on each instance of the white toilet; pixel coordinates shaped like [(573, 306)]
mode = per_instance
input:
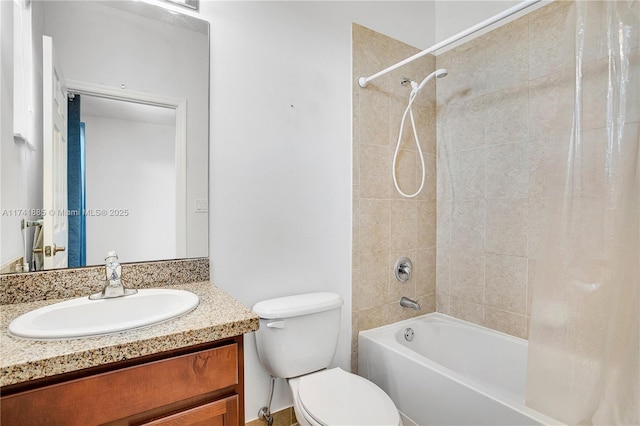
[(296, 341)]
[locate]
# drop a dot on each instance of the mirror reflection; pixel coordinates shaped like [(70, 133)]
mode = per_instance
[(111, 126)]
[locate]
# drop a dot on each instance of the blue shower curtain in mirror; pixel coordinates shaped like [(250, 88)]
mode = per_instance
[(76, 185)]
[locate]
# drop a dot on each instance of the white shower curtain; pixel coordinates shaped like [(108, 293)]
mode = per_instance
[(584, 340)]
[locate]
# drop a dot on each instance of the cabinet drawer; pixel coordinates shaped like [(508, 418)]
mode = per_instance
[(121, 393), (218, 413)]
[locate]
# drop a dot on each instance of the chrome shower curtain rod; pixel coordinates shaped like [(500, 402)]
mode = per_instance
[(363, 81)]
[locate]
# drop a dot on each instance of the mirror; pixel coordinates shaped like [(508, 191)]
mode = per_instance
[(134, 173)]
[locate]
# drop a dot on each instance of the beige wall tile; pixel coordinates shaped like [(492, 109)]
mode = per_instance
[(468, 61), (426, 224), (443, 223), (373, 122), (468, 311), (515, 114), (547, 166), (386, 225), (430, 177), (375, 175), (468, 174), (375, 216), (443, 270), (372, 318), (535, 226), (404, 225), (464, 123), (507, 226), (468, 225), (372, 287), (355, 228), (442, 303), (424, 262), (425, 117), (507, 322), (595, 28), (507, 55), (506, 282), (507, 175), (515, 106), (551, 41), (551, 100), (370, 50), (444, 159), (467, 275), (355, 172), (595, 37), (506, 115), (427, 304)]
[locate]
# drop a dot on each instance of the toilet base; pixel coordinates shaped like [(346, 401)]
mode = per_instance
[(306, 419), (300, 414)]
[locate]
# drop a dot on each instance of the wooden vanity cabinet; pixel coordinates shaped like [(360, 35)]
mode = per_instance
[(200, 385)]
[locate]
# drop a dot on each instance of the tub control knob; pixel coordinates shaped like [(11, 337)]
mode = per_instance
[(402, 269)]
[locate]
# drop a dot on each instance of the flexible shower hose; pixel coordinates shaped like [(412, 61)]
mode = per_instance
[(412, 97)]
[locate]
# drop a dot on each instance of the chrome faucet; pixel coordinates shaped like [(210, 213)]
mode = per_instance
[(114, 286), (405, 302)]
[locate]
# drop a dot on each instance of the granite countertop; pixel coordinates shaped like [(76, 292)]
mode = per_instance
[(218, 316)]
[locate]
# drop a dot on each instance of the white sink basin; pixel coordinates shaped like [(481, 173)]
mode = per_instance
[(83, 317)]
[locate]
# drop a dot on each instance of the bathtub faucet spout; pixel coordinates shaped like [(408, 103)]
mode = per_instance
[(405, 302)]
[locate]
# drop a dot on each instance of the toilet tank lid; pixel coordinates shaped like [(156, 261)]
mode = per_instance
[(300, 304)]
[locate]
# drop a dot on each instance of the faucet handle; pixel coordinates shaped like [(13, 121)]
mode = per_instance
[(113, 287), (113, 269), (402, 269)]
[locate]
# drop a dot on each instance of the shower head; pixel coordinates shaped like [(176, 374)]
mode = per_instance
[(437, 73)]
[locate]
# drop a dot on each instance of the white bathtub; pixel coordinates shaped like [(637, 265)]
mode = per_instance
[(451, 373)]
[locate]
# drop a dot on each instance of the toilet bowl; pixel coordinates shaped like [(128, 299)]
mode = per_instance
[(297, 341), (335, 397)]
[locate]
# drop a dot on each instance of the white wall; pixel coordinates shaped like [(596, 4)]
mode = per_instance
[(142, 181), (10, 243), (281, 151), (454, 16), (21, 170)]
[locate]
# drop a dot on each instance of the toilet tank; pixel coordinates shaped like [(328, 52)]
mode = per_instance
[(298, 334)]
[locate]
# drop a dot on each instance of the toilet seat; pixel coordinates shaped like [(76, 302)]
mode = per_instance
[(335, 397)]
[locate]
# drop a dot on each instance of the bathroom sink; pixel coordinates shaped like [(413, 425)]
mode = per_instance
[(83, 317)]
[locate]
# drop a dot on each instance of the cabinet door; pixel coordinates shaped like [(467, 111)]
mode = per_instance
[(223, 412), (126, 392)]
